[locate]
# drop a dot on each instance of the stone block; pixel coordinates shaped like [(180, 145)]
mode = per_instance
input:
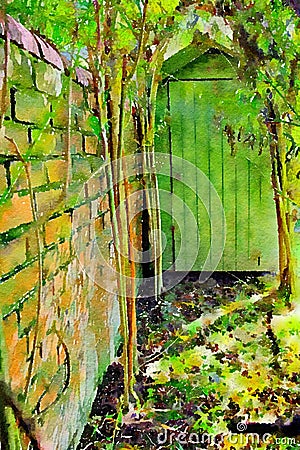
[(12, 254), (21, 68), (48, 79), (103, 182), (18, 358), (96, 164), (81, 169), (16, 211), (31, 107), (60, 112), (51, 262), (28, 315), (44, 143), (57, 170), (19, 133), (5, 146), (84, 120), (58, 228), (80, 109), (31, 244), (99, 225), (91, 145), (61, 142), (48, 202), (107, 222), (94, 186), (38, 173), (3, 183), (56, 258), (64, 252), (59, 284), (77, 97), (18, 176), (94, 207), (82, 215), (10, 334), (10, 65), (91, 100), (74, 192), (14, 288), (76, 142), (65, 296), (104, 205)]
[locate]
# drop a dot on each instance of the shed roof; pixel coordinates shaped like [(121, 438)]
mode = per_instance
[(201, 53)]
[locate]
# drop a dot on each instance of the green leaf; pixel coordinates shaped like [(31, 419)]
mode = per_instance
[(95, 125), (263, 43)]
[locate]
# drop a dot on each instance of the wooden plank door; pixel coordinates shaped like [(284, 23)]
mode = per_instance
[(198, 113)]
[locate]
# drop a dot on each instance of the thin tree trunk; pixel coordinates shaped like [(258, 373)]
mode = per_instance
[(114, 201), (114, 97), (278, 178), (156, 201), (129, 264)]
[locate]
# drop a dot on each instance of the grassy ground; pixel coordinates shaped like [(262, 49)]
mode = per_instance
[(219, 368)]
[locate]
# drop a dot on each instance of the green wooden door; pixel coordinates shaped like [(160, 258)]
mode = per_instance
[(199, 108)]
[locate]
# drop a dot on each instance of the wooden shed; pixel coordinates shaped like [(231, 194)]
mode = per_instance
[(198, 116)]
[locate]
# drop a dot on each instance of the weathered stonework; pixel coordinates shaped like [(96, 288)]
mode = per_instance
[(78, 320)]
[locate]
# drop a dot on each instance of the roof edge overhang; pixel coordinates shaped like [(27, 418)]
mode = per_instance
[(200, 44)]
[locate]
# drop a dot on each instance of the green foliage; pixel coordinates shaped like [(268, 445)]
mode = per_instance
[(60, 17), (222, 364)]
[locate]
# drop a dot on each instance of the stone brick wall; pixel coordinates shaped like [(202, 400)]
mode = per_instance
[(59, 326)]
